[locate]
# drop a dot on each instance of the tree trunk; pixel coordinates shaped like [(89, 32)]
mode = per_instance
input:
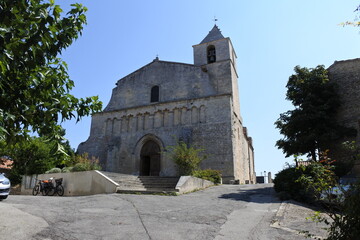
[(313, 155)]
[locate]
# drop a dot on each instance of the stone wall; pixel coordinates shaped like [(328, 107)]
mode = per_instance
[(74, 183), (347, 76)]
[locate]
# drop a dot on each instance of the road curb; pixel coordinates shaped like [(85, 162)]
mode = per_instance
[(276, 223), (280, 213)]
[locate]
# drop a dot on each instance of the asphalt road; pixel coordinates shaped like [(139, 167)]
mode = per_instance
[(220, 212)]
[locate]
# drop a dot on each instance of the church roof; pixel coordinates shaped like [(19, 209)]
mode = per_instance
[(214, 34)]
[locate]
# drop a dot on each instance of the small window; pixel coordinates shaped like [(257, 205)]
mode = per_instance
[(211, 54), (154, 94)]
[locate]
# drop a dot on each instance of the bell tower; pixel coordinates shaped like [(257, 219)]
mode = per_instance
[(216, 56), (214, 48)]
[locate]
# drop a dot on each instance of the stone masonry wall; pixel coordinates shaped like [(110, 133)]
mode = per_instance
[(347, 75)]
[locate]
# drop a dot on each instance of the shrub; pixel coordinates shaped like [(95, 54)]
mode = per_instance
[(185, 157), (84, 163), (347, 224), (306, 183), (317, 178), (54, 170), (208, 174), (80, 167), (66, 169), (300, 183), (285, 184)]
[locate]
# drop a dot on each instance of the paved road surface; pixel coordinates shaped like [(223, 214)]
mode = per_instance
[(220, 212)]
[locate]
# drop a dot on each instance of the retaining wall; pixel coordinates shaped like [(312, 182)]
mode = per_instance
[(75, 183)]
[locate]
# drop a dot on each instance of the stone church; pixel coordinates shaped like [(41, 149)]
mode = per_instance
[(164, 102)]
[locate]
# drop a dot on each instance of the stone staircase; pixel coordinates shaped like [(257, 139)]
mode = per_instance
[(143, 184)]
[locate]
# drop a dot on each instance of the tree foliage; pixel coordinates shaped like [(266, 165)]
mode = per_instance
[(34, 156), (34, 83), (311, 127)]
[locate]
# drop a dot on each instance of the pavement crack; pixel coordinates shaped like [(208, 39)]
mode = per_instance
[(138, 214)]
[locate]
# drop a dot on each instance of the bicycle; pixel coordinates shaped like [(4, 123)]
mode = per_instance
[(57, 189), (41, 187), (47, 188)]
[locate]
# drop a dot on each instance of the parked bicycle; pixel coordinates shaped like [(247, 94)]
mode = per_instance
[(57, 189), (40, 187), (46, 187)]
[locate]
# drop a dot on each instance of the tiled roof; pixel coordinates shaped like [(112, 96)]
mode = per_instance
[(5, 163), (214, 34)]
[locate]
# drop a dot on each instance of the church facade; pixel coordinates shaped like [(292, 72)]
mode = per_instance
[(165, 102)]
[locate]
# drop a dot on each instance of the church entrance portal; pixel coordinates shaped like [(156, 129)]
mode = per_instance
[(150, 159)]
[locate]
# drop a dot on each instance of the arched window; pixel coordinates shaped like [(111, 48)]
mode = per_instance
[(211, 54), (154, 94)]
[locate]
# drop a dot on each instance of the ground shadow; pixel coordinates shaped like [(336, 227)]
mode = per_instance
[(257, 195), (265, 195)]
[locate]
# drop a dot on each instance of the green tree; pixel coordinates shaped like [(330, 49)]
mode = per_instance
[(34, 156), (34, 83), (311, 127)]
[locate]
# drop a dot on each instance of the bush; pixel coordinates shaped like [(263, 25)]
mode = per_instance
[(305, 183), (208, 174), (54, 170), (186, 157), (84, 163), (317, 178), (67, 169), (346, 225), (80, 167), (286, 185)]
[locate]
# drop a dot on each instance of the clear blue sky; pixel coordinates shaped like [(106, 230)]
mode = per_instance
[(270, 39)]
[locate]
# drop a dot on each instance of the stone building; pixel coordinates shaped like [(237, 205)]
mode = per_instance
[(163, 102), (347, 76)]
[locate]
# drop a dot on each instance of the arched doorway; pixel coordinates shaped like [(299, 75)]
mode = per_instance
[(150, 159)]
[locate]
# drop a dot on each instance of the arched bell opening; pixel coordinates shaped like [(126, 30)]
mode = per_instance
[(211, 54)]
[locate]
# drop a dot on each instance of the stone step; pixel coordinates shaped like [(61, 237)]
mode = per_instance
[(162, 180), (152, 184), (143, 184), (146, 187), (155, 181), (159, 182), (148, 191)]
